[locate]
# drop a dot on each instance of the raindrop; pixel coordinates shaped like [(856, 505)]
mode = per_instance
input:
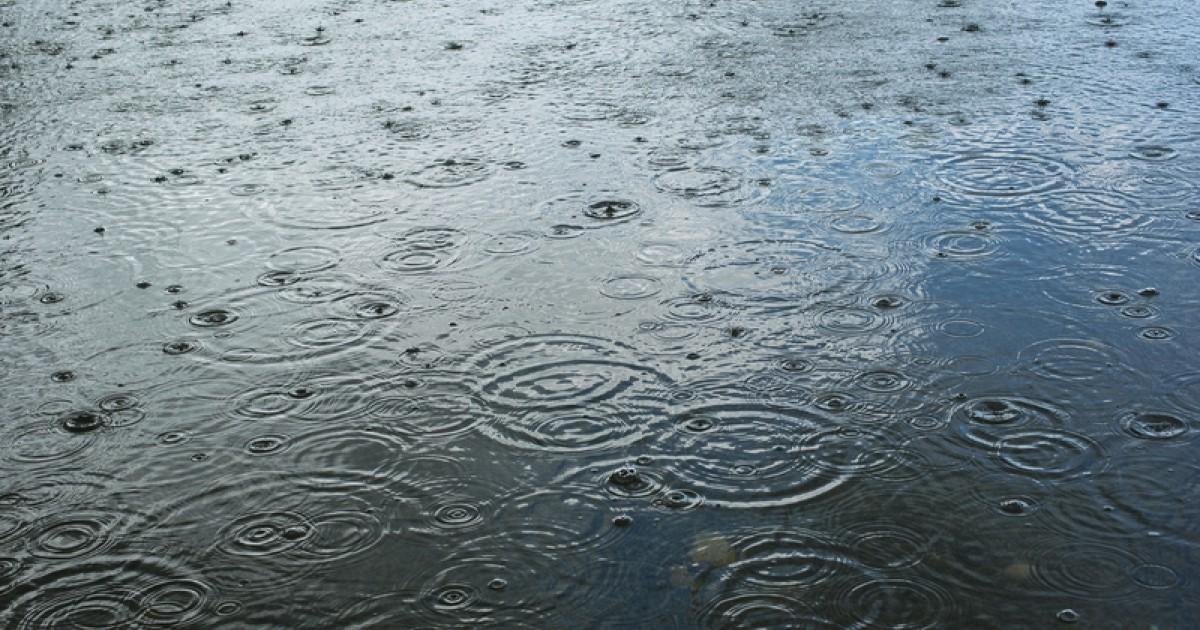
[(180, 346), (82, 421), (1156, 333), (212, 318), (1154, 426)]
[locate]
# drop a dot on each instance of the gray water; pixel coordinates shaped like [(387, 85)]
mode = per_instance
[(599, 314)]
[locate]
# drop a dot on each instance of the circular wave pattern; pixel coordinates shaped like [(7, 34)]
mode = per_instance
[(427, 250), (776, 272), (563, 372), (450, 173), (1154, 426), (109, 592), (796, 561), (763, 610), (1087, 213), (597, 428), (1087, 570), (709, 186), (1048, 454), (978, 426), (897, 603), (1002, 174), (1071, 359), (760, 455)]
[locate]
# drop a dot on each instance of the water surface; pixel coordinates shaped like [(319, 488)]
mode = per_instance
[(599, 314)]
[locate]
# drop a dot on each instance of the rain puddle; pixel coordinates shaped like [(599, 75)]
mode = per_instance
[(599, 314)]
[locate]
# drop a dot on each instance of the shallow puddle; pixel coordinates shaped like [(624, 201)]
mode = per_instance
[(599, 313)]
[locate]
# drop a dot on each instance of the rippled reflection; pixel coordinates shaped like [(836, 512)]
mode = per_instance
[(599, 313)]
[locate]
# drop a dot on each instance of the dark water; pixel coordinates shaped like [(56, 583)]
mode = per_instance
[(599, 314)]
